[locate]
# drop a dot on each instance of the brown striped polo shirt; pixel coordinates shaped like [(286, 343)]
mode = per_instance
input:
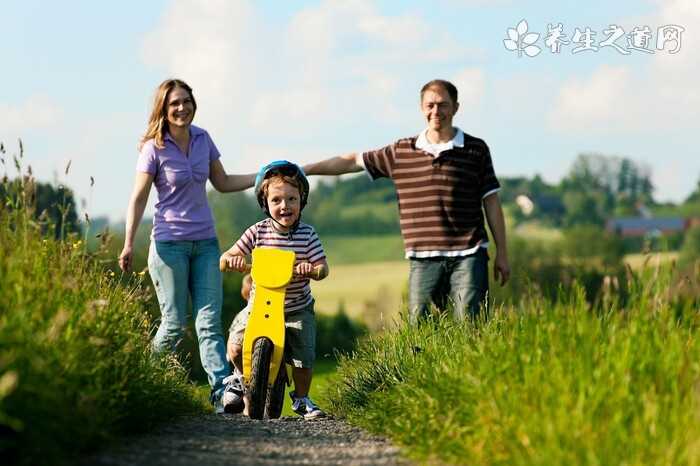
[(440, 198)]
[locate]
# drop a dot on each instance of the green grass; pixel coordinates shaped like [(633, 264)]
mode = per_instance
[(370, 292), (541, 384), (342, 250), (536, 231), (75, 368), (641, 260)]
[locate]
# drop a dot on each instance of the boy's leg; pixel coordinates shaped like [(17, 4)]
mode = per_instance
[(469, 283), (301, 352), (168, 266), (302, 380), (206, 288), (234, 346), (424, 280)]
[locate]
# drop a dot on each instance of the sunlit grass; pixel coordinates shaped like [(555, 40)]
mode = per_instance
[(369, 292), (544, 383), (75, 368)]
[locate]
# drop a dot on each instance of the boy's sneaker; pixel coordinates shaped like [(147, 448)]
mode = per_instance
[(232, 399), (306, 408)]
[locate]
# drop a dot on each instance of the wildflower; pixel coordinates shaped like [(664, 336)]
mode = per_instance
[(77, 244), (142, 273), (111, 273)]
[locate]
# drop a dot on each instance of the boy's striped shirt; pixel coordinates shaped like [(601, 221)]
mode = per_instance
[(303, 241)]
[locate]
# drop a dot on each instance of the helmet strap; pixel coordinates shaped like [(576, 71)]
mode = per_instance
[(290, 229)]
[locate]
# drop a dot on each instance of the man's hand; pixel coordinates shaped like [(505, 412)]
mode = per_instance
[(501, 269)]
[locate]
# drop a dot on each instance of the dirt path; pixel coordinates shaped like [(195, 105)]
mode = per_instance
[(236, 440)]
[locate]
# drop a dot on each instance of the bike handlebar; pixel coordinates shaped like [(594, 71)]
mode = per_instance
[(225, 268)]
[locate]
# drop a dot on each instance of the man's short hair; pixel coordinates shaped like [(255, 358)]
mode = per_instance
[(446, 85)]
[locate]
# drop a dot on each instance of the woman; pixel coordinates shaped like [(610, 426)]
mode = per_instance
[(183, 258)]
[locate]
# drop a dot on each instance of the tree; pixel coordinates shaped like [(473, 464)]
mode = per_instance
[(53, 205), (605, 185)]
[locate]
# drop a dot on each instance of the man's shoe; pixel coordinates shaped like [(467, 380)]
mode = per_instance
[(232, 399), (306, 408)]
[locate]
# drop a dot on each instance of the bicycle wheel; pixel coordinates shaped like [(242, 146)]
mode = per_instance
[(260, 370), (275, 396)]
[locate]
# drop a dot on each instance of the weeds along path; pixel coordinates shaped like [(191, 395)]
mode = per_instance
[(237, 440)]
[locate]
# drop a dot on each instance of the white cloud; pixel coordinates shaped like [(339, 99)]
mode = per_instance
[(334, 62), (660, 94), (206, 43), (593, 101), (36, 112), (471, 84)]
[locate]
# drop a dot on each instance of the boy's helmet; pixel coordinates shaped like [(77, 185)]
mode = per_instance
[(285, 168)]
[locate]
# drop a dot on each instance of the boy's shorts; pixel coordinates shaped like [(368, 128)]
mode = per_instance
[(300, 335)]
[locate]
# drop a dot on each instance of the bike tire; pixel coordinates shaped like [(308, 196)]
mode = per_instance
[(275, 396), (260, 371)]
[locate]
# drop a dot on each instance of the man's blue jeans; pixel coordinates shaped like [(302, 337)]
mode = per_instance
[(180, 269), (459, 282)]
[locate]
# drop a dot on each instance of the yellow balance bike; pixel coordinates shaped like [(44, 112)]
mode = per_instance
[(264, 372)]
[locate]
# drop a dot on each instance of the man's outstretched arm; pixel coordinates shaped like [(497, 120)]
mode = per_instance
[(334, 166)]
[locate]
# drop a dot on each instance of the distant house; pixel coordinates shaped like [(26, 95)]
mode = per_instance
[(628, 227)]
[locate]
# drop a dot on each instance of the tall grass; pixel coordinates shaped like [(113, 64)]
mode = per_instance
[(541, 384), (74, 363)]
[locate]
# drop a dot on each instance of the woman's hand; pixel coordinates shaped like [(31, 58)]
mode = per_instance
[(126, 259)]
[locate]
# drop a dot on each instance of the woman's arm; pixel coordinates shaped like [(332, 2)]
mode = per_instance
[(137, 204), (225, 183)]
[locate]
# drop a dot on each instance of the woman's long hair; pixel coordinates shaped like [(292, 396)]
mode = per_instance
[(158, 122)]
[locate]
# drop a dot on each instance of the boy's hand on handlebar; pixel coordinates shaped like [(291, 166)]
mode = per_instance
[(231, 262), (304, 269)]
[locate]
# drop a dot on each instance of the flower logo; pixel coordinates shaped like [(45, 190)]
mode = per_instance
[(522, 41)]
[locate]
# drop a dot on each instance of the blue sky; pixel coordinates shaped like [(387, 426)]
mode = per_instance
[(306, 80)]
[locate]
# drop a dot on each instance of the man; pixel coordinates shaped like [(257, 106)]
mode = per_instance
[(442, 178)]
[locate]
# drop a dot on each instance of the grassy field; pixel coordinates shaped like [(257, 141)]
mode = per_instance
[(75, 368), (369, 292), (343, 250), (546, 383), (639, 261)]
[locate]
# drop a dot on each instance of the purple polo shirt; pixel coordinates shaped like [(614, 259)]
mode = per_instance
[(182, 210)]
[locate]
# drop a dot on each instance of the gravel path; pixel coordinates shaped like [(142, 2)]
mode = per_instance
[(237, 440)]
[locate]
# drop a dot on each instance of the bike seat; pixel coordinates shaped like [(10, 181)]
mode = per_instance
[(272, 268)]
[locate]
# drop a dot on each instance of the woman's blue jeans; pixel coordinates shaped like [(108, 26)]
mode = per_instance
[(461, 283), (183, 269)]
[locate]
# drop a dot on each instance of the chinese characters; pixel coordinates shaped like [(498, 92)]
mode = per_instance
[(639, 39)]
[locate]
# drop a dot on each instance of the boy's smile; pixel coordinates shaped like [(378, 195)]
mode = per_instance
[(283, 202)]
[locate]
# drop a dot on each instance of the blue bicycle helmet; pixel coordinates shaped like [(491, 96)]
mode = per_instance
[(285, 168)]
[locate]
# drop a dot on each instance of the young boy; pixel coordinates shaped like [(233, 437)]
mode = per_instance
[(282, 191)]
